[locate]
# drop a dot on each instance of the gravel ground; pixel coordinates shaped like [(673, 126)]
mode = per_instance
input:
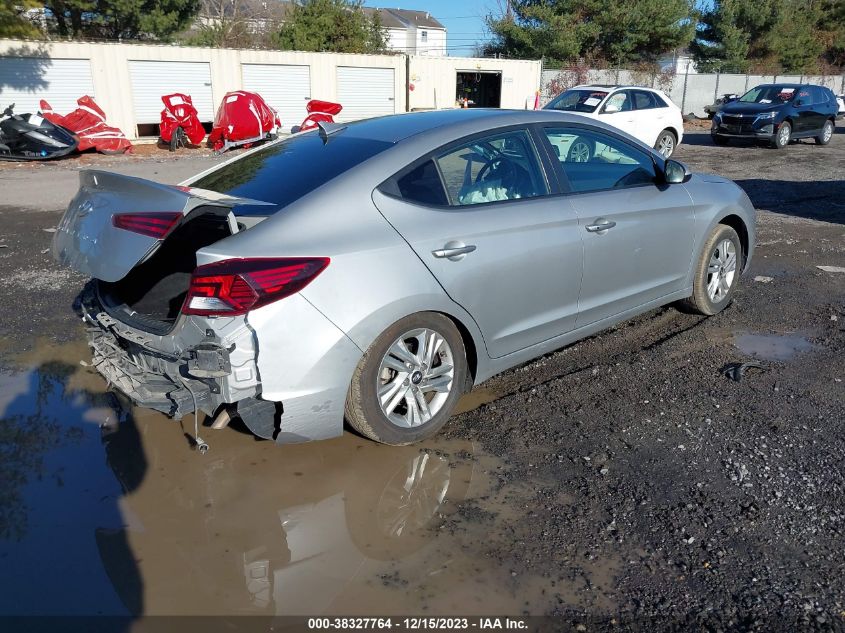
[(681, 498), (669, 495)]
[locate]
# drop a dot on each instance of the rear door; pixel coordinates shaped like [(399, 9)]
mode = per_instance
[(638, 234), (479, 216), (649, 116)]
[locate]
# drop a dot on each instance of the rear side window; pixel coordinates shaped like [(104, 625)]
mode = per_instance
[(499, 167), (284, 172), (422, 184), (645, 100)]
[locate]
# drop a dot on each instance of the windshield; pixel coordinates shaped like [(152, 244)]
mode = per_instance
[(577, 100), (284, 172), (768, 94)]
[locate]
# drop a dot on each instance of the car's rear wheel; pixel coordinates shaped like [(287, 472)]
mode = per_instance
[(717, 272), (827, 133), (720, 140), (783, 136), (409, 381), (665, 144), (581, 151)]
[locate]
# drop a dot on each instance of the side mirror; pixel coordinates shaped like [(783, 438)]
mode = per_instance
[(610, 108), (676, 172)]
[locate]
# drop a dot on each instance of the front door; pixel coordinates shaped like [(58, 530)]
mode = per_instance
[(638, 234), (478, 215)]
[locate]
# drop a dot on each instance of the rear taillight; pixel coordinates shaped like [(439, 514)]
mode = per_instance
[(236, 286), (155, 225)]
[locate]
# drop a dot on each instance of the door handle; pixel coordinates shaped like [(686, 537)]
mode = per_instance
[(453, 251), (600, 227)]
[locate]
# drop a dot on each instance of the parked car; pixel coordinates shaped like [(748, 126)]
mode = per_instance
[(840, 106), (778, 114), (716, 106), (377, 270), (646, 114)]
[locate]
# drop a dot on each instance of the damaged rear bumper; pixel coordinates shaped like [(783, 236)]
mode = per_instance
[(195, 367)]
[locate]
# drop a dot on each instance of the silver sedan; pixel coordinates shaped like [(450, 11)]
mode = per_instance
[(375, 271)]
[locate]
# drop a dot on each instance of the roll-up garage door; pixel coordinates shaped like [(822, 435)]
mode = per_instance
[(24, 81), (152, 80), (285, 87), (365, 92)]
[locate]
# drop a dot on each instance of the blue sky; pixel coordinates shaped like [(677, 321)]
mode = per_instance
[(464, 19)]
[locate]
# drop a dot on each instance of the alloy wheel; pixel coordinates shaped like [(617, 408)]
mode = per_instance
[(783, 135), (579, 152), (415, 377), (827, 132), (666, 145), (721, 271)]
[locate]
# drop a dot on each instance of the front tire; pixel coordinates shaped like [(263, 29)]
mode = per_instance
[(409, 381), (827, 133), (783, 136), (716, 272)]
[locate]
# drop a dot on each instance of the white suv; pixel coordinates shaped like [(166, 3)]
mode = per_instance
[(646, 114)]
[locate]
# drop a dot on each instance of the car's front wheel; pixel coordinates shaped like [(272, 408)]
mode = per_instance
[(827, 133), (783, 136), (409, 381), (716, 272)]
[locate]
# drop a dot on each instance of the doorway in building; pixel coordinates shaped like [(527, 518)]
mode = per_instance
[(483, 89)]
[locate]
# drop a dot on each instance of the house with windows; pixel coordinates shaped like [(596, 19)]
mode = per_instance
[(412, 32)]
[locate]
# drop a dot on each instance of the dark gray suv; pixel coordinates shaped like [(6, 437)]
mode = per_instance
[(777, 114)]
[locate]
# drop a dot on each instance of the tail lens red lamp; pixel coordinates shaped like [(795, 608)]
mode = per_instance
[(236, 286), (156, 225)]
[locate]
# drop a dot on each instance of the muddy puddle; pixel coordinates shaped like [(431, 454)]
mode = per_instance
[(105, 509), (778, 347)]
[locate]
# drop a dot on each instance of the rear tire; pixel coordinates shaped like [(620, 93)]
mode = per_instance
[(717, 271), (827, 133), (666, 143), (409, 381), (581, 151), (783, 136)]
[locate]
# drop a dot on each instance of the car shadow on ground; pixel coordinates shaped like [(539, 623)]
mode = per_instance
[(814, 199)]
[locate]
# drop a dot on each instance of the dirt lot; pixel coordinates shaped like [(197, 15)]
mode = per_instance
[(623, 482)]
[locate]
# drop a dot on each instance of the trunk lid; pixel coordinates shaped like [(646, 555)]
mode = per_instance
[(87, 240)]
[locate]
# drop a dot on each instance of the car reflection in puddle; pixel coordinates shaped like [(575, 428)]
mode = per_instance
[(111, 512)]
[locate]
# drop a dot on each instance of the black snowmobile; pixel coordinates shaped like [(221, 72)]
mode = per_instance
[(31, 137)]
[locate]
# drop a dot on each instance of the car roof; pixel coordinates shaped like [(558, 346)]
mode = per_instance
[(398, 127), (614, 87)]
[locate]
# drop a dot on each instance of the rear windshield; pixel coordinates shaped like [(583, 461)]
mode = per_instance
[(286, 171), (769, 94), (577, 101)]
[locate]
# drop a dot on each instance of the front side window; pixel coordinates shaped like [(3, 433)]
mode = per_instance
[(499, 167), (619, 102), (593, 161)]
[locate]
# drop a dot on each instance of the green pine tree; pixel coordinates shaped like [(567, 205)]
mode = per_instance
[(339, 26)]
